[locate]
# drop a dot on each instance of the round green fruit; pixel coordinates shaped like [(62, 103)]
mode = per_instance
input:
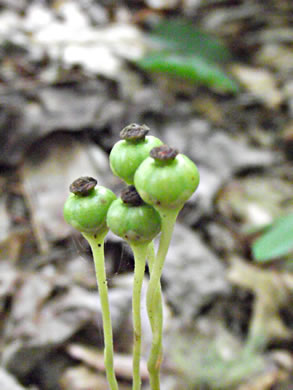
[(87, 212), (166, 179), (136, 224), (128, 154)]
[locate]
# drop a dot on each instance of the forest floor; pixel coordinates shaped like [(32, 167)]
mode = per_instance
[(69, 82)]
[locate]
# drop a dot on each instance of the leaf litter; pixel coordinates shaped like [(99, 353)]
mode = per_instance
[(68, 86)]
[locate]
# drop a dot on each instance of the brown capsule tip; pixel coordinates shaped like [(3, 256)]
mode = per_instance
[(134, 132), (163, 153), (131, 197), (83, 185)]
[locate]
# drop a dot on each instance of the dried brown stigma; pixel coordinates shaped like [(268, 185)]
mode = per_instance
[(83, 185), (131, 197), (163, 153), (134, 132)]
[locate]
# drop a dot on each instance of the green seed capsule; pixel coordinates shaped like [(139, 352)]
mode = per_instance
[(128, 154), (86, 208), (134, 221), (166, 179)]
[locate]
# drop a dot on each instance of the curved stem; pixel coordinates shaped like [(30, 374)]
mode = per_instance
[(156, 313), (96, 242), (156, 317), (168, 219), (140, 253)]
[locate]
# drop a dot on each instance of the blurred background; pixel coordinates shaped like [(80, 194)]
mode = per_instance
[(212, 78)]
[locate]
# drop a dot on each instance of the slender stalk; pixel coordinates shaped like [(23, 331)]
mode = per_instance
[(157, 313), (151, 256), (140, 253), (96, 243), (155, 316), (168, 219)]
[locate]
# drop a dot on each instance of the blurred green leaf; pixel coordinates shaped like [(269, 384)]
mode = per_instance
[(277, 241), (181, 36), (214, 369), (189, 67), (179, 50)]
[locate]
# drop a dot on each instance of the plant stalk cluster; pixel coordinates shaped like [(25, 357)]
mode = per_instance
[(160, 181)]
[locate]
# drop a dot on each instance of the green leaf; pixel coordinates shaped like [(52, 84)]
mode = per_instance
[(180, 35), (189, 67), (276, 242), (182, 51)]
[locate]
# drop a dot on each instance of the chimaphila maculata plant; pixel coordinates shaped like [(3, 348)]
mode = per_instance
[(164, 180), (86, 210), (138, 224)]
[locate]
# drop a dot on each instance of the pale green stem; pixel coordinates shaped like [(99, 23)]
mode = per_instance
[(155, 314), (140, 253), (96, 243), (151, 256), (168, 219), (158, 310)]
